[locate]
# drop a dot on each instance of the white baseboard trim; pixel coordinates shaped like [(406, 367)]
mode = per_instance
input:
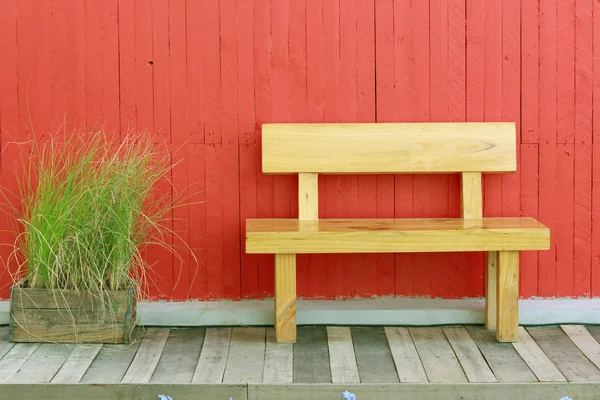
[(381, 311)]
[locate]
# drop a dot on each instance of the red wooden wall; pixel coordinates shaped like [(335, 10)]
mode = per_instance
[(207, 74)]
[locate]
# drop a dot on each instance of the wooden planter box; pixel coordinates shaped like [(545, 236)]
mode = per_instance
[(66, 316)]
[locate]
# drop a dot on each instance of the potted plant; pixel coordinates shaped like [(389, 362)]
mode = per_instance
[(87, 208)]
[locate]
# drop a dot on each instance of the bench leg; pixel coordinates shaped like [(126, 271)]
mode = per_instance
[(285, 298), (490, 290), (507, 322)]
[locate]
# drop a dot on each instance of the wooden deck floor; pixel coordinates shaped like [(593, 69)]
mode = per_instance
[(322, 355)]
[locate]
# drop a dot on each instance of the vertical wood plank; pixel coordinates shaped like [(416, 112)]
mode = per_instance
[(373, 356), (248, 209), (146, 359), (15, 358), (564, 354), (285, 298), (530, 65), (279, 361), (215, 277), (507, 306), (584, 341), (246, 358), (491, 295), (180, 356), (564, 218), (127, 66), (197, 211), (471, 196), (77, 364), (469, 356), (529, 206), (565, 73), (308, 196), (213, 357), (538, 362), (595, 272), (211, 71), (341, 355), (437, 356), (245, 71), (43, 364), (504, 361), (311, 356), (407, 361)]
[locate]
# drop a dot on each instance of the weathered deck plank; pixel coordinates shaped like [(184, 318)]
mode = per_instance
[(213, 356), (5, 345), (407, 361), (279, 360), (535, 358), (245, 362), (146, 359), (43, 364), (373, 356), (584, 341), (15, 358), (78, 363), (469, 356), (180, 356), (341, 355), (311, 356), (439, 360)]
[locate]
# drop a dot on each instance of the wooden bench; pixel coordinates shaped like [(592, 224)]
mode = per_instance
[(395, 148)]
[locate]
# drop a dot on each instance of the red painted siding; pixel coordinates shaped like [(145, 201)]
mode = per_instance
[(204, 75)]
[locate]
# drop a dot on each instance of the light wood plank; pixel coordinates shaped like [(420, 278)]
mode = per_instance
[(401, 235), (439, 361), (15, 358), (584, 341), (246, 359), (535, 358), (502, 358), (507, 290), (341, 355), (308, 196), (77, 364), (285, 298), (146, 359), (5, 345), (43, 364), (594, 330), (407, 360), (564, 354), (311, 356), (373, 356), (469, 356), (113, 361), (213, 357), (182, 350), (279, 361), (491, 297), (471, 196), (388, 147)]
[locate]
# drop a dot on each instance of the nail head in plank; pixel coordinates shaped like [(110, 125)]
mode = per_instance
[(146, 359), (183, 350), (584, 341), (469, 356), (373, 356), (245, 362), (564, 354), (503, 359), (538, 362), (43, 364), (341, 355), (213, 356), (15, 358), (311, 356), (113, 361), (279, 360), (407, 360), (78, 363), (438, 359)]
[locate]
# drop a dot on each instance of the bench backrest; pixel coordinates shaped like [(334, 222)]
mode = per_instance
[(469, 148)]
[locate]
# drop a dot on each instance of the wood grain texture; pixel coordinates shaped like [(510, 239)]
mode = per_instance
[(285, 298), (472, 361), (471, 196), (246, 357), (5, 345), (77, 364), (436, 354), (308, 196), (146, 359), (507, 290), (504, 361), (15, 358), (373, 355), (180, 356), (43, 364), (279, 361), (394, 235), (491, 295), (213, 357), (407, 361), (388, 148), (311, 356), (341, 355), (584, 341), (538, 362)]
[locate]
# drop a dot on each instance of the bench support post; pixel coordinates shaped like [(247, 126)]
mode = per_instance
[(490, 290), (285, 298), (507, 306)]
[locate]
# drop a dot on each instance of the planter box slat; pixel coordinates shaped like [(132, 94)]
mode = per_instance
[(25, 298), (93, 333)]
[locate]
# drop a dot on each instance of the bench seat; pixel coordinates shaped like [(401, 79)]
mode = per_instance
[(281, 236)]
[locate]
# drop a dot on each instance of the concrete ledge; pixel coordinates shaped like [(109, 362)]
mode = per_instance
[(383, 311)]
